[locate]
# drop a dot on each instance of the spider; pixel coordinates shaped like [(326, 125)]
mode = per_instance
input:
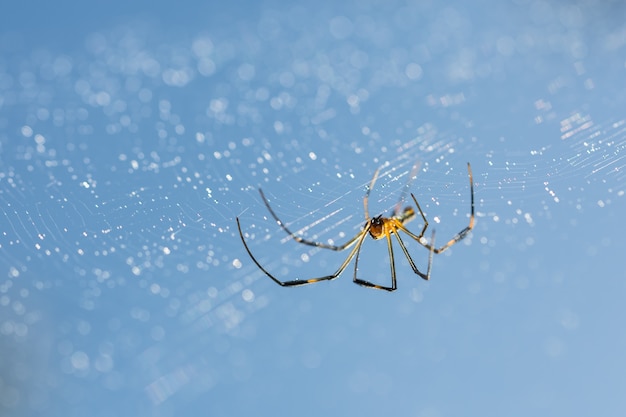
[(377, 227)]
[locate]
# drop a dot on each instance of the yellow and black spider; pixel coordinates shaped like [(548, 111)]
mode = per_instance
[(377, 227)]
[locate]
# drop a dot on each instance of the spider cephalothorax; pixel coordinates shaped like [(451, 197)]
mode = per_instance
[(377, 227)]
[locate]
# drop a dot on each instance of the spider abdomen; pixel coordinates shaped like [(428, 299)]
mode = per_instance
[(407, 215)]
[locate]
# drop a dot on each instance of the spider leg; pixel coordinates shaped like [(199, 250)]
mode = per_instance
[(401, 226), (368, 284), (412, 235), (465, 231), (398, 207), (426, 276), (367, 195), (294, 283), (304, 241)]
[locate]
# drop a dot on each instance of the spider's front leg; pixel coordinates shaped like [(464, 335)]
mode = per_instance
[(392, 263)]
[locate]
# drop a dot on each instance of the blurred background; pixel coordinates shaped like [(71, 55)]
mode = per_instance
[(132, 134)]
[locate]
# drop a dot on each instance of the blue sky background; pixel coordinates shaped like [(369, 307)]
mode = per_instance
[(132, 135)]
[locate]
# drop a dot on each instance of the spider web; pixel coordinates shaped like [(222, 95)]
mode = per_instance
[(124, 165)]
